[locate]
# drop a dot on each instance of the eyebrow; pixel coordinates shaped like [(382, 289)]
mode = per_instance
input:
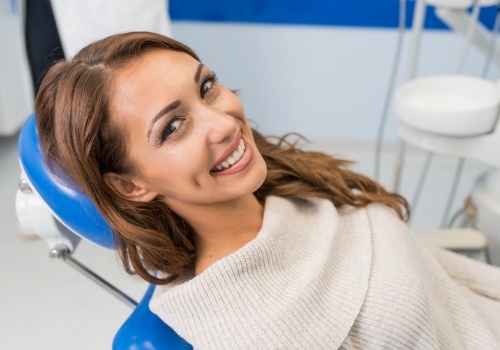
[(161, 113), (198, 72)]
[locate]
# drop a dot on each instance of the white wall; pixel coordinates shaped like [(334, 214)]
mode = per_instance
[(16, 96), (324, 82)]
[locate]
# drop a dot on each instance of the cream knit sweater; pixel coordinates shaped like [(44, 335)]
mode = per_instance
[(318, 277)]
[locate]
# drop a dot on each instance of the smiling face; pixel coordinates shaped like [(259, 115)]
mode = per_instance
[(187, 135)]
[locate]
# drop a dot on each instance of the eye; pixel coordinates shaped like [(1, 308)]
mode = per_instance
[(208, 84), (172, 126)]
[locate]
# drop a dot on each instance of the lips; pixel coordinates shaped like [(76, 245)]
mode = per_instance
[(233, 157)]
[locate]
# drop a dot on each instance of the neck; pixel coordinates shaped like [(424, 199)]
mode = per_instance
[(224, 228)]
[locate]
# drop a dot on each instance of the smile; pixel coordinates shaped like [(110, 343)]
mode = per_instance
[(232, 159)]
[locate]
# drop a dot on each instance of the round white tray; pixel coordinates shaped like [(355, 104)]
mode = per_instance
[(453, 105)]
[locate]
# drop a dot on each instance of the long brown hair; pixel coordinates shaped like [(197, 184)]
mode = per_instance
[(78, 137)]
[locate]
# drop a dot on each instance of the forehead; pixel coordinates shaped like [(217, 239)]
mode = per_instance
[(145, 85), (154, 66)]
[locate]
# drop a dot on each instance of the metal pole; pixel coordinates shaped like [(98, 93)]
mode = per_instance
[(62, 252), (417, 27)]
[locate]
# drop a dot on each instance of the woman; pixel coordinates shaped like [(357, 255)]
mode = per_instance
[(258, 245)]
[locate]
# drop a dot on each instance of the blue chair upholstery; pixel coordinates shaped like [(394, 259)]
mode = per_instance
[(143, 330), (75, 210)]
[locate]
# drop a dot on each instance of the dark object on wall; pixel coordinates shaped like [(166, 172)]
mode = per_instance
[(42, 39)]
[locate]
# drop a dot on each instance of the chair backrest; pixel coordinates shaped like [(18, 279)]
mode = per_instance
[(143, 330), (74, 209)]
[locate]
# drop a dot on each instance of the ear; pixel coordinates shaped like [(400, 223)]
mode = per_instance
[(128, 187)]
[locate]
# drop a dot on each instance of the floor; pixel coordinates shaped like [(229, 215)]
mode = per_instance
[(45, 304)]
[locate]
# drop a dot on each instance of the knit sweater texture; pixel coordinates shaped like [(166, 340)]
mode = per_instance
[(320, 277)]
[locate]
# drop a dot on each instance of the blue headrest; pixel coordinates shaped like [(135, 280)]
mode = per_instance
[(74, 209)]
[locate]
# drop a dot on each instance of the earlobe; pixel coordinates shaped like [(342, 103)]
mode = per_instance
[(128, 188)]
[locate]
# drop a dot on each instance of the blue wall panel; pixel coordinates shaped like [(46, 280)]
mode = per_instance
[(352, 13)]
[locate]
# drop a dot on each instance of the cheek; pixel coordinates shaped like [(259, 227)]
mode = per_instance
[(175, 167), (235, 105), (259, 172), (240, 108), (263, 168)]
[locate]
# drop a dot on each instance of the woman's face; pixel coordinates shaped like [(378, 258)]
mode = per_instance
[(187, 135)]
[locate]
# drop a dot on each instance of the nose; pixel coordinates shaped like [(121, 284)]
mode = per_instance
[(218, 127)]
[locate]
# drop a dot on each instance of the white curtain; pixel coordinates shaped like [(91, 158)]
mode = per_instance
[(80, 22), (16, 88)]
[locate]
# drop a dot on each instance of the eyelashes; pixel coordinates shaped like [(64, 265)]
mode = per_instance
[(172, 126), (208, 83), (175, 123)]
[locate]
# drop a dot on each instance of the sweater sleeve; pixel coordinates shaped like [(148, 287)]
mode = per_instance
[(481, 278), (421, 298)]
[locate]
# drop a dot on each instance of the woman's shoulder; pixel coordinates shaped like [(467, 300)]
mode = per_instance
[(376, 214)]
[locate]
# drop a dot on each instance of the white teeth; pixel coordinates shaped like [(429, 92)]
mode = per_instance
[(237, 155), (233, 158)]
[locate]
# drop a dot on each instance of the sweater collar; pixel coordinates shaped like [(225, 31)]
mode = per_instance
[(306, 261)]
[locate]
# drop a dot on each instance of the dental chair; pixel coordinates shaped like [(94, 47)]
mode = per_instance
[(457, 115), (61, 215)]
